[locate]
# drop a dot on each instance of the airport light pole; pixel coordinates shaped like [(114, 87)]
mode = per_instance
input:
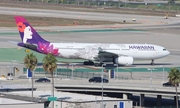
[(163, 71), (131, 74), (150, 77), (102, 105), (11, 64), (116, 70), (72, 72), (72, 64)]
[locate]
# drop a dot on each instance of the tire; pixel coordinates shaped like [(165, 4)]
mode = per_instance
[(86, 63), (91, 63)]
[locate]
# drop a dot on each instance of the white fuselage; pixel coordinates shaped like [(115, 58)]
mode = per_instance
[(89, 51)]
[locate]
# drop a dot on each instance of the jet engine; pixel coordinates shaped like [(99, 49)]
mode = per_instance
[(123, 60)]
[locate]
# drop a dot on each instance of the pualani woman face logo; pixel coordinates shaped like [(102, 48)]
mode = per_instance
[(26, 30), (27, 34)]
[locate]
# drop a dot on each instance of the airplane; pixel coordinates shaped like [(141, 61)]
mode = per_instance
[(121, 54)]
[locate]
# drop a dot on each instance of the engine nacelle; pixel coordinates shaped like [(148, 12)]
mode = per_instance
[(124, 60)]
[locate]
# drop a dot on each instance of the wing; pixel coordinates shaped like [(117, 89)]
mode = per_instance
[(106, 54)]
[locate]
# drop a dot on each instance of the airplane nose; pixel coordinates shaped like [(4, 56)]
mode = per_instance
[(168, 52)]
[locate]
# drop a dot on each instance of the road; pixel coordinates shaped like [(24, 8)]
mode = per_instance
[(145, 84)]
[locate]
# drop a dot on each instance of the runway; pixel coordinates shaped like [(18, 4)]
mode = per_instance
[(87, 15)]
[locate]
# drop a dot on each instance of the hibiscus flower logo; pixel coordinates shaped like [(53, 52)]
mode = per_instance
[(46, 48), (25, 31), (21, 26)]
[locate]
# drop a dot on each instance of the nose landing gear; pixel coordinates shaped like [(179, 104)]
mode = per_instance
[(152, 62)]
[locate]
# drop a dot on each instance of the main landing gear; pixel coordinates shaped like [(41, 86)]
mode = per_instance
[(88, 63), (92, 63), (152, 62)]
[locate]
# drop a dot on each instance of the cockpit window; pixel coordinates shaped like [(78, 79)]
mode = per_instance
[(164, 49)]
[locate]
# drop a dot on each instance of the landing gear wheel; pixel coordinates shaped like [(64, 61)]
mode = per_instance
[(88, 63), (152, 63), (91, 63)]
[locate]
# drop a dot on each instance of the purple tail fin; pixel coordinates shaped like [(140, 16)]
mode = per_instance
[(27, 32), (32, 40)]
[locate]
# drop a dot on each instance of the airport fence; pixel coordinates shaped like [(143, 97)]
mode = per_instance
[(66, 73), (80, 73)]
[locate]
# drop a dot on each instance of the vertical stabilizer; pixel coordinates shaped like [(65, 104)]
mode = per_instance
[(27, 32), (32, 40)]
